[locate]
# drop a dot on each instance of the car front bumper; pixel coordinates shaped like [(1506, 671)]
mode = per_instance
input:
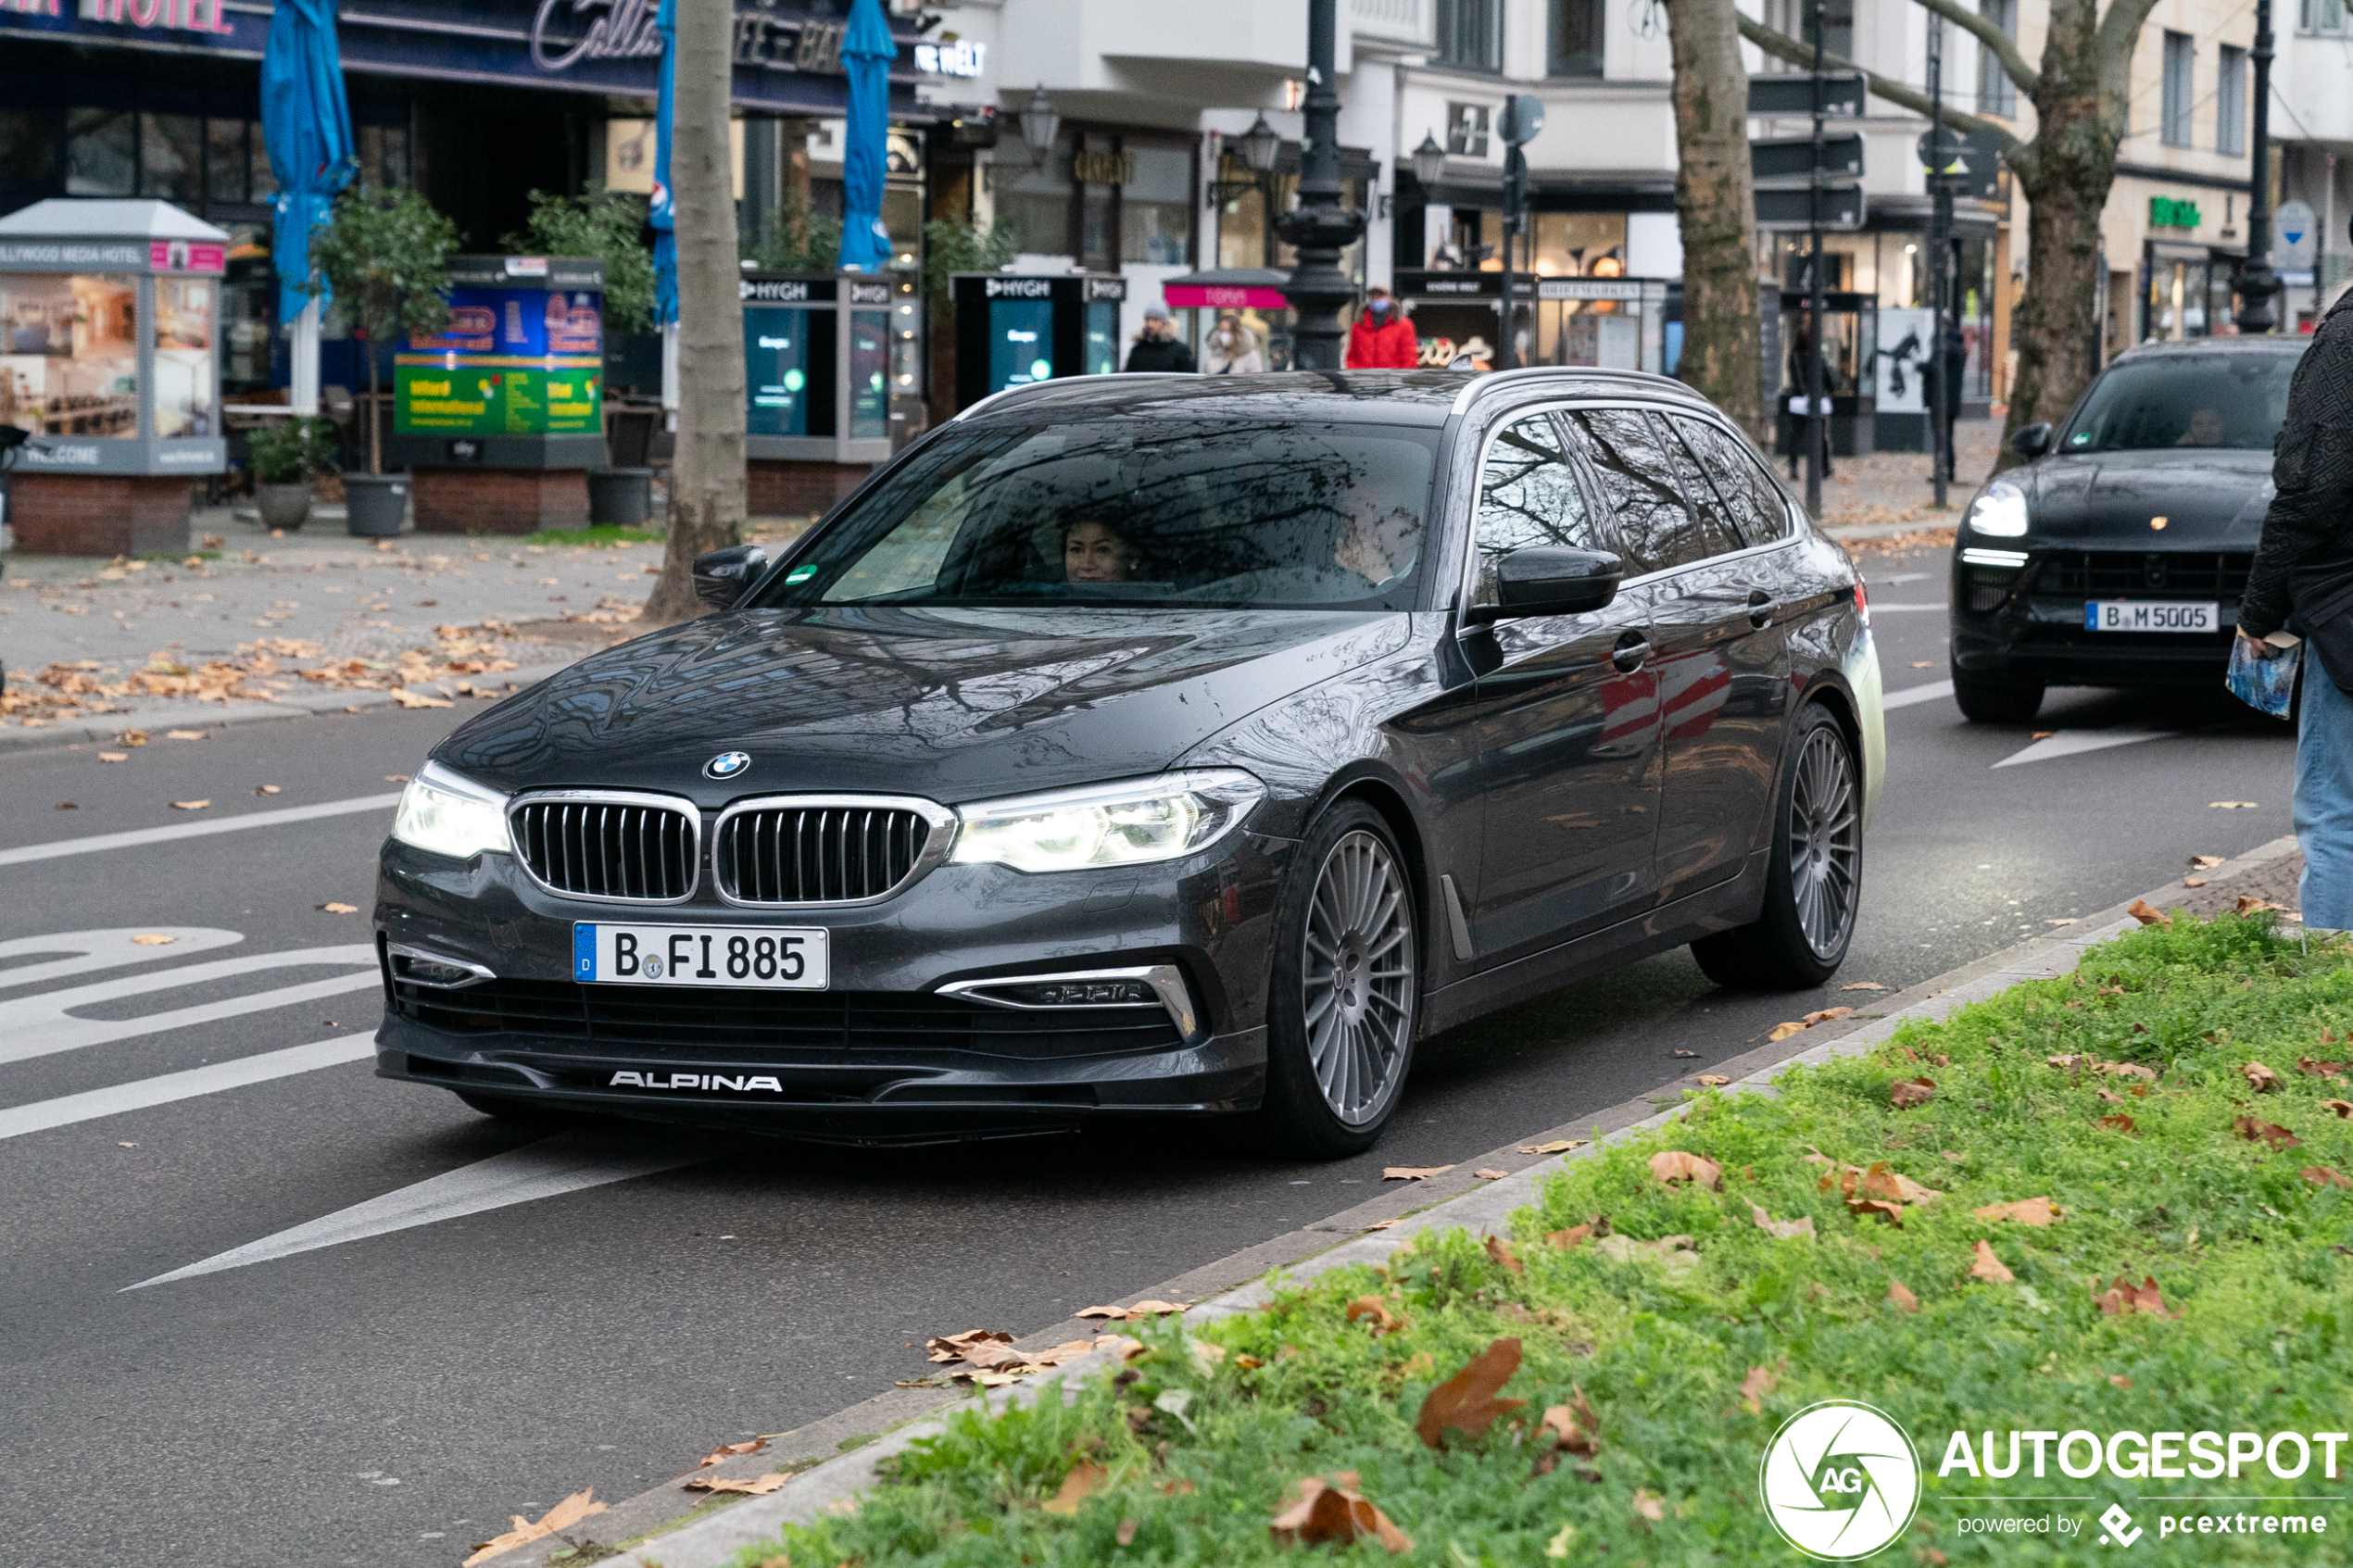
[(2006, 626), (880, 1055)]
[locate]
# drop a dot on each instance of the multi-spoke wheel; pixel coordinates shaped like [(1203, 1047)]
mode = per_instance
[(1814, 879), (1346, 987)]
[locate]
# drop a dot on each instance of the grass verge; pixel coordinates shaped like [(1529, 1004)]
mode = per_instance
[(1677, 1332), (603, 536)]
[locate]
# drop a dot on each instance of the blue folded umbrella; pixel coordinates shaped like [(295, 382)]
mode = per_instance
[(306, 123), (867, 50)]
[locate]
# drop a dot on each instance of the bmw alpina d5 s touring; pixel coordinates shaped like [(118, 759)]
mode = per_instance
[(1156, 744)]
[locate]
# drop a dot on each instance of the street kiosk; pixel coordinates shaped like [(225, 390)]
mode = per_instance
[(1613, 323), (110, 363), (500, 414), (1012, 328), (1849, 373), (817, 374)]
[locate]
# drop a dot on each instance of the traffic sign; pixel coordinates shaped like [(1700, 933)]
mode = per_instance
[(1972, 163), (1786, 93), (1791, 157), (1790, 206), (2295, 237)]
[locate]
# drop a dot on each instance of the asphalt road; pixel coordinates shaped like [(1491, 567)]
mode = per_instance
[(387, 1399)]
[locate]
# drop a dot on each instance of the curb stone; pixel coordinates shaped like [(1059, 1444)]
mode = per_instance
[(294, 704), (1248, 1279)]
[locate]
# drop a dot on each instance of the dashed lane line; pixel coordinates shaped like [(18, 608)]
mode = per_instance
[(278, 818)]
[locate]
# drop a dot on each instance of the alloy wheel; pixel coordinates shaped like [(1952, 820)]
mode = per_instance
[(1358, 977), (1825, 841)]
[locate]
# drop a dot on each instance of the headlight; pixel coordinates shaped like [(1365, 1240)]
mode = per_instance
[(1999, 511), (1121, 824), (451, 815)]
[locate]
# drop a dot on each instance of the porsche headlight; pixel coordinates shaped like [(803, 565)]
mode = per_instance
[(1118, 824), (1999, 511), (451, 815)]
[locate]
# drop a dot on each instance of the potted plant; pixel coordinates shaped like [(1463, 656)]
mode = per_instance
[(385, 255), (287, 455)]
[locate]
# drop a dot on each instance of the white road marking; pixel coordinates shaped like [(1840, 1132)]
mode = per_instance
[(66, 1109), (1911, 694), (2070, 742), (106, 949), (566, 1162), (278, 818), (39, 1025), (1878, 609)]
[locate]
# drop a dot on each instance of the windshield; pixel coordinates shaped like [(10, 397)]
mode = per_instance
[(1136, 510), (2236, 400)]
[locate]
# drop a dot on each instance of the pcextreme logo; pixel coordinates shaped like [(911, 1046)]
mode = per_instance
[(1840, 1480)]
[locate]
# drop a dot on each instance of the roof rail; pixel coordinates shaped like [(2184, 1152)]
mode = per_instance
[(1011, 392), (1479, 383)]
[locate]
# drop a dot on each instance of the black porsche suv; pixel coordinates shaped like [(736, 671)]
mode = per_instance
[(1145, 743), (2117, 554)]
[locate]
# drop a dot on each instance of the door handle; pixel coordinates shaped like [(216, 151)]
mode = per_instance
[(1630, 656), (1761, 605)]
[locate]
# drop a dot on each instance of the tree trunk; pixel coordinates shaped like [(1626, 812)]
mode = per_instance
[(707, 475), (1714, 199)]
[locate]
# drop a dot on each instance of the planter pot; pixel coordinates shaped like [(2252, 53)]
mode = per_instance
[(621, 496), (375, 505), (284, 506)]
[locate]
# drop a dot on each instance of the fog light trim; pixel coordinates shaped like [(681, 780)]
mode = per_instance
[(1159, 985), (436, 970)]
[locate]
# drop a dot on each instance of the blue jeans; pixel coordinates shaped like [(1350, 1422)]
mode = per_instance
[(2324, 800)]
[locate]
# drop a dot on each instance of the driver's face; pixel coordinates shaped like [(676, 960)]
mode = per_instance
[(1092, 553), (2205, 429)]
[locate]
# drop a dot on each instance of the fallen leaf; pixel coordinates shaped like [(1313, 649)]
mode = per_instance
[(1760, 1381), (2250, 905), (725, 1451), (1828, 1015), (2270, 1132), (1906, 1093), (1988, 1267), (396, 778), (1713, 1080), (2193, 882), (1573, 1425), (1684, 1053), (334, 909), (2325, 1176), (1649, 1504), (114, 756), (1901, 1297), (408, 699), (126, 1145), (2342, 1107), (2068, 920), (68, 806), (184, 735), (2230, 805), (1486, 1175), (1412, 1173), (1673, 1165), (2204, 862), (1570, 1238), (1384, 1322), (2312, 1069), (131, 737), (1151, 1309), (190, 805), (1782, 1228), (952, 1347), (2025, 1211), (1557, 1145), (1322, 1513), (1783, 1031), (2119, 1123), (1385, 1224), (1863, 985), (152, 939), (2124, 1297), (266, 789), (1084, 1480), (570, 1512), (752, 1486), (1501, 1254), (2261, 1077), (1126, 1533), (1466, 1403), (2140, 911)]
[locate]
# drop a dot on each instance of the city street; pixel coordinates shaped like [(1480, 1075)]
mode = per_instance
[(387, 1390)]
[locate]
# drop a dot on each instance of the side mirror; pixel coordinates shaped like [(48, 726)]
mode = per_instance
[(1550, 579), (2031, 441), (722, 576)]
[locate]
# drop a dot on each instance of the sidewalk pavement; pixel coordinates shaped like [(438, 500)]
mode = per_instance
[(308, 621), (834, 1459), (1889, 495)]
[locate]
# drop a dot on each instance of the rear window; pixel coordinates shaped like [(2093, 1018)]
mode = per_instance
[(2186, 400), (1143, 511)]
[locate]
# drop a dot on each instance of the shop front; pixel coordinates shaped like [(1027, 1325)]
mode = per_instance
[(1607, 323)]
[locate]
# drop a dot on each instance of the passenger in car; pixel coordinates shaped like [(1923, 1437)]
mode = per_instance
[(1094, 551), (2205, 429)]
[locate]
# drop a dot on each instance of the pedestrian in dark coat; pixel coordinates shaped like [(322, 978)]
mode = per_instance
[(1158, 349)]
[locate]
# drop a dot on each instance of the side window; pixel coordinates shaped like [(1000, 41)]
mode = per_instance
[(1753, 500), (1528, 494), (1643, 513), (1721, 534)]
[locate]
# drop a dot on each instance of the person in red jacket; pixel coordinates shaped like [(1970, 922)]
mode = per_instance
[(1382, 339)]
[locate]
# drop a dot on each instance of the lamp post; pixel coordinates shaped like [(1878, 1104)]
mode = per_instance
[(2258, 283), (1523, 118), (1041, 123), (1429, 160), (1818, 432), (1261, 147), (1319, 228)]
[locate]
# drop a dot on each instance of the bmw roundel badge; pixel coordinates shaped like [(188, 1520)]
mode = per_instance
[(727, 765)]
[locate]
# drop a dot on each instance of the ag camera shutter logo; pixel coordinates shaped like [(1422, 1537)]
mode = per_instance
[(1840, 1480)]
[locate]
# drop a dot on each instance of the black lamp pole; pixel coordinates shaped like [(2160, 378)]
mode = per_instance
[(2258, 283), (1319, 227), (1817, 428)]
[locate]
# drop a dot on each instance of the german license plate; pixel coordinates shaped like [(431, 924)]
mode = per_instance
[(772, 957), (2150, 615)]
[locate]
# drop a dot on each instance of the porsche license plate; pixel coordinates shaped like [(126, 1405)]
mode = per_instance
[(2150, 615), (770, 958)]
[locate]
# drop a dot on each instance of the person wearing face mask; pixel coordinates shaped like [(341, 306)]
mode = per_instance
[(1382, 339), (1232, 349)]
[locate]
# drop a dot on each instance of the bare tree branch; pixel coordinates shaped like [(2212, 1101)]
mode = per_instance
[(1994, 38), (2119, 31), (1781, 46)]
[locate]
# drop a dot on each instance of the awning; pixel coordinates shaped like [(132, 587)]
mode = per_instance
[(1229, 288)]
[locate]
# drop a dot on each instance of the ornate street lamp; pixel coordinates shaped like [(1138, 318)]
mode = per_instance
[(1040, 124), (1430, 159), (1261, 146), (1319, 228)]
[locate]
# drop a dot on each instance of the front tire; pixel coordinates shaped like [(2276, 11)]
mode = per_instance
[(1345, 995), (1813, 880), (1985, 699)]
